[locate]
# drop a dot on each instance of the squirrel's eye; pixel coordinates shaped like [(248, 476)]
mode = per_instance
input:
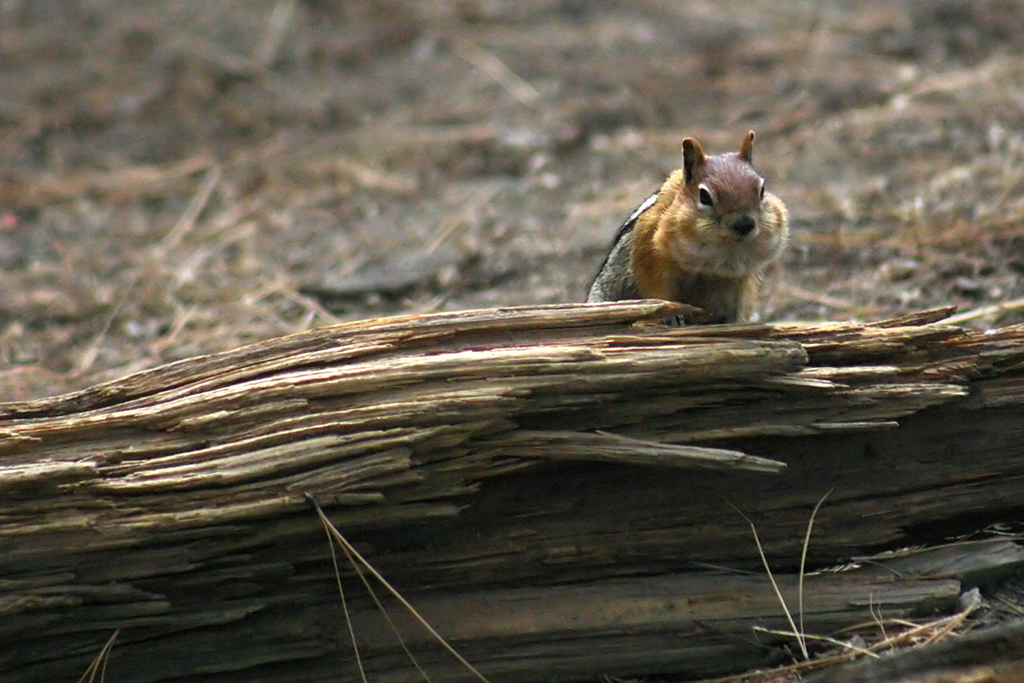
[(705, 197), (762, 189)]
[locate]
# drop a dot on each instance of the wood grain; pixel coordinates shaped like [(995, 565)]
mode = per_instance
[(521, 462)]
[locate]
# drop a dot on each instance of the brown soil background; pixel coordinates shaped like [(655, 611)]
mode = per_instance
[(179, 178)]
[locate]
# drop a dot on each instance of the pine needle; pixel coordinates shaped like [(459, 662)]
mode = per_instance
[(384, 613), (333, 531), (99, 663), (344, 605)]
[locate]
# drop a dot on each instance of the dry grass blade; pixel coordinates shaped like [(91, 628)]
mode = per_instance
[(125, 181), (803, 557), (350, 549), (913, 634), (498, 70), (195, 207), (801, 636), (92, 350), (98, 666), (376, 601), (919, 633), (344, 603), (801, 641)]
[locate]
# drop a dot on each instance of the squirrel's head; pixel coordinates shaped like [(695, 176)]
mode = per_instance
[(734, 226), (725, 188)]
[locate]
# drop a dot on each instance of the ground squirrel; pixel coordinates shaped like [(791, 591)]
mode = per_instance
[(705, 238)]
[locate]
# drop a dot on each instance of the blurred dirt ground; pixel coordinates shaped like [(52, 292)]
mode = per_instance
[(178, 178)]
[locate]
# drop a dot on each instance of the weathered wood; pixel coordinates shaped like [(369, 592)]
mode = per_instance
[(710, 618), (505, 450), (994, 656)]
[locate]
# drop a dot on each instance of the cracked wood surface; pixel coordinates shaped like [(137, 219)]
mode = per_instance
[(483, 453)]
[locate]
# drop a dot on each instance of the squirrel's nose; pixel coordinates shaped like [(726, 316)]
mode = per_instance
[(743, 225)]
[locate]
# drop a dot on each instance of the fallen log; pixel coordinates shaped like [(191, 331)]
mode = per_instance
[(580, 463)]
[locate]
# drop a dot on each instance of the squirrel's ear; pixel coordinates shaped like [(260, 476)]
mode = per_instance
[(693, 158), (747, 147)]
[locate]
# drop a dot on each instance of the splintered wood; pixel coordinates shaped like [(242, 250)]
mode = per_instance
[(501, 461)]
